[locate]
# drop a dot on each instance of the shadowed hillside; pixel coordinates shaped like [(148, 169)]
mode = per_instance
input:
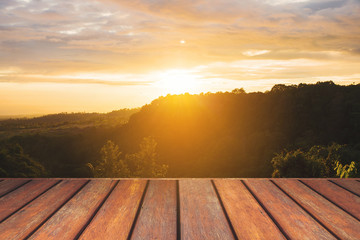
[(231, 134), (236, 134)]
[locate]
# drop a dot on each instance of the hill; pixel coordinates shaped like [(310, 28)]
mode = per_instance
[(63, 122), (224, 134), (236, 134)]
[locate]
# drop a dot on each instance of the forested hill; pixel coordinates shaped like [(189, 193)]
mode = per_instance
[(53, 120), (236, 134), (63, 122), (298, 130)]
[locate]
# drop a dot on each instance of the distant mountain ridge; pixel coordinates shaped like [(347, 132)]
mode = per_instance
[(52, 120)]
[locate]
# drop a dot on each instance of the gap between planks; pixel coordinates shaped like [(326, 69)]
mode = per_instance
[(224, 210), (138, 210), (266, 210), (11, 189), (333, 202), (96, 211), (55, 211), (343, 187), (178, 217), (30, 201), (309, 213)]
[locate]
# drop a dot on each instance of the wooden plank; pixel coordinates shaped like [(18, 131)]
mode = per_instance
[(336, 220), (201, 215), (115, 218), (294, 221), (8, 185), (351, 185), (72, 217), (248, 218), (21, 196), (21, 224), (157, 219), (346, 200)]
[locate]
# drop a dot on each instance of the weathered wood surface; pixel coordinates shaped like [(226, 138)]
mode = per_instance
[(72, 217), (23, 195), (248, 218), (115, 218), (179, 209), (201, 215), (336, 220), (9, 185), (295, 222), (350, 185), (157, 218), (24, 222), (341, 197)]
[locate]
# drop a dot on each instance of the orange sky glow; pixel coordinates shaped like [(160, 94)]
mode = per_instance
[(103, 55)]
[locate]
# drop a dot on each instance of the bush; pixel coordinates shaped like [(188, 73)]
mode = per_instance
[(320, 161), (143, 163), (15, 163)]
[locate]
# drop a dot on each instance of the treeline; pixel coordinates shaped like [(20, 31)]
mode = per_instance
[(224, 134), (236, 134), (64, 119)]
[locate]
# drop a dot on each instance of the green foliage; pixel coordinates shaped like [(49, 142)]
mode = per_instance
[(345, 171), (296, 164), (224, 134), (111, 164), (319, 161), (15, 163), (62, 122), (143, 163)]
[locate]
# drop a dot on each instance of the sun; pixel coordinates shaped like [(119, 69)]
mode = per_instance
[(178, 81)]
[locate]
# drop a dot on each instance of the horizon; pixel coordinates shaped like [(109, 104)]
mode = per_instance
[(103, 55), (35, 115)]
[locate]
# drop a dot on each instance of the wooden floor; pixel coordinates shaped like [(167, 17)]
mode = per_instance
[(179, 209)]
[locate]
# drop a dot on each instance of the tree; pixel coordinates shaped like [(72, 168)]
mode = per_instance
[(238, 91), (111, 164), (143, 163), (295, 164), (15, 163), (334, 160)]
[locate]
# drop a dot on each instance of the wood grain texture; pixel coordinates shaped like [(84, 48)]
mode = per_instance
[(41, 210), (157, 219), (335, 219), (295, 222), (201, 215), (248, 218), (352, 185), (71, 218), (157, 222), (348, 201), (9, 184), (21, 224), (16, 199), (114, 219)]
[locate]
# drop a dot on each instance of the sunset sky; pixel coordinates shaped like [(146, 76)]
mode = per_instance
[(102, 55)]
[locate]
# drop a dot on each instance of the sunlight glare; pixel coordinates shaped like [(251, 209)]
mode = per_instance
[(178, 81)]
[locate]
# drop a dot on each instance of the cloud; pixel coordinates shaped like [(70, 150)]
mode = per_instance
[(141, 36), (253, 52), (115, 80)]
